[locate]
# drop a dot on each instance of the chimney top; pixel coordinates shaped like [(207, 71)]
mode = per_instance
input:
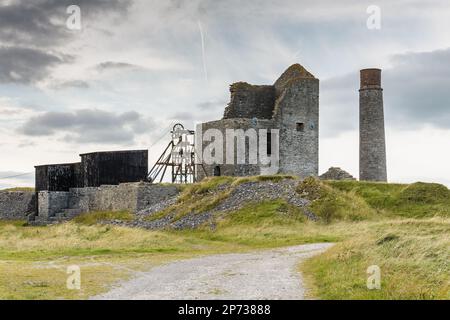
[(370, 78)]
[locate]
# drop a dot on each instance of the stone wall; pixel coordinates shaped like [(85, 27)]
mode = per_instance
[(17, 205), (250, 101), (131, 197), (297, 116), (296, 71), (291, 105), (126, 196), (150, 194), (50, 203), (245, 169)]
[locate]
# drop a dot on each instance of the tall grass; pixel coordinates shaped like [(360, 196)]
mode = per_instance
[(415, 200), (402, 228), (413, 256)]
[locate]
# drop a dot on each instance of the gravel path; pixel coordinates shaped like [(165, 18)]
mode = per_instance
[(268, 274)]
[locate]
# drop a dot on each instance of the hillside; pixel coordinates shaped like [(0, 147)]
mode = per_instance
[(404, 229), (251, 200)]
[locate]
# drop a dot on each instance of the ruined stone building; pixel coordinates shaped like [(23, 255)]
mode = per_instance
[(291, 105)]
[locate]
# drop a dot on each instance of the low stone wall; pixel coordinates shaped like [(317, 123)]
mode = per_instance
[(131, 197), (105, 198), (51, 203), (17, 205), (151, 194)]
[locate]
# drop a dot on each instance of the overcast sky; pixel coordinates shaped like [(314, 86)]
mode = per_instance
[(138, 66)]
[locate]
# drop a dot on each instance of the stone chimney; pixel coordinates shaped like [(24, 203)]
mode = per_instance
[(372, 144)]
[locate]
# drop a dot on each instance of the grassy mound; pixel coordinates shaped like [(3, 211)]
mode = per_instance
[(425, 193), (268, 213), (331, 204), (414, 200), (206, 195), (331, 201)]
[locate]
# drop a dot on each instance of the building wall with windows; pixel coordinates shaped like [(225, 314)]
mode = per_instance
[(290, 106)]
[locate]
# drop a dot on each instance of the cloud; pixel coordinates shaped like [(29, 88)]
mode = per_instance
[(32, 31), (10, 179), (417, 90), (77, 84), (180, 116), (42, 22), (26, 65), (211, 105), (111, 65), (12, 174), (416, 94), (89, 126)]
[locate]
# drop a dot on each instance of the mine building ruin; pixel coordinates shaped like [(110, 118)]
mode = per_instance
[(120, 180), (290, 105)]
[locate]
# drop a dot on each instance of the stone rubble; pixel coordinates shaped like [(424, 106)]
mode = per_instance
[(336, 173)]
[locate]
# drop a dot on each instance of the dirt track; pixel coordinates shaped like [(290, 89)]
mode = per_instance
[(268, 274)]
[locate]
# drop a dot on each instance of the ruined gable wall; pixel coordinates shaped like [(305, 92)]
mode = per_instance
[(250, 101), (299, 149)]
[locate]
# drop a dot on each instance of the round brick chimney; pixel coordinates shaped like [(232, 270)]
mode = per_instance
[(370, 78), (372, 144)]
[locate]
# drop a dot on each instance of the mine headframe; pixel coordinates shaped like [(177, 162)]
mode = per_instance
[(179, 157)]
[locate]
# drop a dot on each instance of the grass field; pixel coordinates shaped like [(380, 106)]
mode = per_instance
[(18, 189), (404, 229)]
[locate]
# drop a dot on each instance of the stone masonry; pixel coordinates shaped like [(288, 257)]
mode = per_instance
[(372, 145), (291, 105), (17, 205), (132, 197)]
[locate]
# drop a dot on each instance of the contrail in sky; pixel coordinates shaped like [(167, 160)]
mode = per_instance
[(203, 50)]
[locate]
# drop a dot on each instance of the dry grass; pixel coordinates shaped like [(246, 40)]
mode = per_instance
[(365, 220), (91, 218), (33, 260), (413, 256)]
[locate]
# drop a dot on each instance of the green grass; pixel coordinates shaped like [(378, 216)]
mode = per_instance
[(19, 189), (204, 196), (92, 218), (276, 212), (331, 204), (402, 228), (417, 200)]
